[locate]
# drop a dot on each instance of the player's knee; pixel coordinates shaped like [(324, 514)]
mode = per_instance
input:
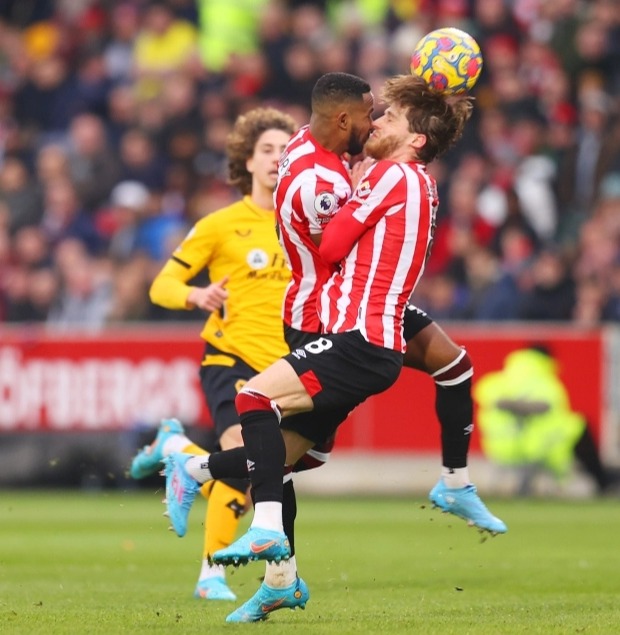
[(248, 400), (459, 370)]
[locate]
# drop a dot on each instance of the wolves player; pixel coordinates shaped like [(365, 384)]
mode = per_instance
[(243, 335)]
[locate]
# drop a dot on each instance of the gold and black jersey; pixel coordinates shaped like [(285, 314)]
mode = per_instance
[(240, 242)]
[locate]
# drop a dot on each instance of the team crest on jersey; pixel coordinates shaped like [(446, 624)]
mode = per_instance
[(257, 259)]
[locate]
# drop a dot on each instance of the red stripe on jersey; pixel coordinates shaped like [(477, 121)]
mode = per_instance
[(311, 383), (397, 203), (312, 184)]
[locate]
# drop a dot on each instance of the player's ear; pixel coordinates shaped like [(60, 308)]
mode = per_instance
[(343, 120), (249, 164), (418, 141)]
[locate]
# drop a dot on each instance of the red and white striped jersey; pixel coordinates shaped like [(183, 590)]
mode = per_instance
[(383, 235), (313, 183)]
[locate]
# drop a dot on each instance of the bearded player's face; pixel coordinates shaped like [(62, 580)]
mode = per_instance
[(361, 124)]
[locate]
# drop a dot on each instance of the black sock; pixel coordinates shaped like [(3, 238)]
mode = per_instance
[(289, 513), (227, 464), (266, 454), (239, 484), (455, 412)]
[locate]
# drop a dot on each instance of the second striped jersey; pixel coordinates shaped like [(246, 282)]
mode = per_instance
[(380, 239)]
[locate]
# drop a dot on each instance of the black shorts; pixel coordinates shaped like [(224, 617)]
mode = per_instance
[(340, 371), (414, 321), (321, 428), (221, 380)]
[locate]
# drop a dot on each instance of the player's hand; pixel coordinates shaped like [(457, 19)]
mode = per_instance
[(358, 169), (210, 298)]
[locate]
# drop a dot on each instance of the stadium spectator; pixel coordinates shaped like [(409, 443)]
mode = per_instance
[(164, 45), (118, 52), (92, 166), (551, 296), (85, 297), (139, 159), (19, 194), (65, 217), (552, 66)]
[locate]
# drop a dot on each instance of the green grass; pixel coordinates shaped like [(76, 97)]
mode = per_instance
[(104, 563)]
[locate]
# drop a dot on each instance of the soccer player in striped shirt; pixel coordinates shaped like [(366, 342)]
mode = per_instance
[(313, 185), (364, 356), (243, 335)]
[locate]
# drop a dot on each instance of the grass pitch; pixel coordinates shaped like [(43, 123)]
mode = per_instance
[(104, 563)]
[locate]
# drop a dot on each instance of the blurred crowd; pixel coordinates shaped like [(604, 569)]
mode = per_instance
[(114, 116)]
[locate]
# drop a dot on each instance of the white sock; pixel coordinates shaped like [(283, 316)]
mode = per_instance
[(268, 515), (282, 574), (198, 468), (211, 570), (455, 477), (175, 443)]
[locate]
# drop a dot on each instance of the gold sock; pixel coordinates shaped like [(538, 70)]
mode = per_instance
[(192, 448), (224, 510)]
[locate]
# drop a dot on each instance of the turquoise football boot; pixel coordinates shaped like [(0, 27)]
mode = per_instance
[(150, 458), (465, 503), (181, 490), (214, 589), (255, 544), (267, 600)]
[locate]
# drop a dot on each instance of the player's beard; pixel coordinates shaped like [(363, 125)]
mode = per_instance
[(381, 148), (356, 141)]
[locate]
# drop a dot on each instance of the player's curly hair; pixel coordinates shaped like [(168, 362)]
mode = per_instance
[(243, 138), (440, 117)]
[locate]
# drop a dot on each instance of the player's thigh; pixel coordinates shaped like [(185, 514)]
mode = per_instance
[(231, 437), (430, 348), (296, 446), (319, 426), (281, 384)]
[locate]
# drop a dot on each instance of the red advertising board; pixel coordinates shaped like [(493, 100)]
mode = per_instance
[(403, 418), (123, 377)]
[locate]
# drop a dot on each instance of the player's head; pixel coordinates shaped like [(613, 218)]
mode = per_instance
[(419, 123), (342, 107), (254, 147)]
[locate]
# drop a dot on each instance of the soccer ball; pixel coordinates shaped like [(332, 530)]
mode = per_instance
[(448, 59)]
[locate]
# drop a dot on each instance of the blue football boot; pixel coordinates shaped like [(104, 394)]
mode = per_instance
[(214, 589), (255, 544), (465, 503), (150, 458), (267, 600), (181, 490)]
